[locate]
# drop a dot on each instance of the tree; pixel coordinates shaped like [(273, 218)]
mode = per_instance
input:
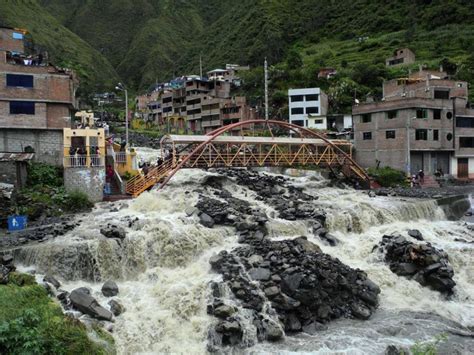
[(293, 59)]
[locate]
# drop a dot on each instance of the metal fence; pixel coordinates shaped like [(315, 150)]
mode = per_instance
[(82, 161)]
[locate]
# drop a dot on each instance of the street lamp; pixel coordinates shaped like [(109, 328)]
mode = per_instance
[(122, 87)]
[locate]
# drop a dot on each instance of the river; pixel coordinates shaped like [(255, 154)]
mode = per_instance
[(163, 272)]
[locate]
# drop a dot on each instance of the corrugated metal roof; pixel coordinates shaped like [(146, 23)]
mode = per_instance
[(5, 156)]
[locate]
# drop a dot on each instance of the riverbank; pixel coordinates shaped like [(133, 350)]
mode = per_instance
[(31, 322)]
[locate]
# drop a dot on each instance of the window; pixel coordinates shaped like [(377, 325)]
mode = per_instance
[(296, 98), (167, 99), (421, 134), (449, 115), (318, 121), (298, 123), (297, 111), (314, 97), (435, 135), (392, 114), (25, 81), (366, 118), (465, 122), (366, 136), (389, 134), (466, 142), (449, 136), (441, 94), (421, 113), (17, 35), (22, 107), (436, 114), (312, 109)]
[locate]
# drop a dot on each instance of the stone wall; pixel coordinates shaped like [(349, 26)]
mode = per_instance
[(47, 144), (91, 181)]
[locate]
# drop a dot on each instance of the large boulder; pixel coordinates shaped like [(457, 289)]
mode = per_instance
[(110, 289), (89, 305)]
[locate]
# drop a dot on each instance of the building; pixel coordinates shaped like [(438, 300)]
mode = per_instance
[(422, 123), (36, 100), (193, 104), (308, 107), (402, 56), (327, 73)]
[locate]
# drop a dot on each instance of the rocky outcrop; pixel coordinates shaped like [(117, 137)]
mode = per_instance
[(304, 286), (421, 262), (39, 234), (85, 303)]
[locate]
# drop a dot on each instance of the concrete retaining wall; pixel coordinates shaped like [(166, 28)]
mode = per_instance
[(91, 181), (455, 206)]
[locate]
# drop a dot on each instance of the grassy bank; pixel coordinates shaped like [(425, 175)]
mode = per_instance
[(32, 323)]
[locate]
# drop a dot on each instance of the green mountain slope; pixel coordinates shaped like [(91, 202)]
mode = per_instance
[(152, 40), (64, 47)]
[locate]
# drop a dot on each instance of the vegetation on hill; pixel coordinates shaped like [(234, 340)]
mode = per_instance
[(150, 41)]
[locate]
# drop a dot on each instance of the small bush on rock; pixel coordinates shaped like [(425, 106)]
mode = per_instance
[(387, 176)]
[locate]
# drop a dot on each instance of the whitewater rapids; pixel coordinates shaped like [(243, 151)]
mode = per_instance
[(163, 273)]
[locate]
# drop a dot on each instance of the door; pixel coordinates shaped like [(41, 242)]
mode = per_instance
[(463, 165)]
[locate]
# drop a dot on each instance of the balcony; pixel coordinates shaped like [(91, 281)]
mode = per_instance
[(215, 123), (84, 161)]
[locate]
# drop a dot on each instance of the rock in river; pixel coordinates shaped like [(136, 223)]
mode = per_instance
[(89, 305)]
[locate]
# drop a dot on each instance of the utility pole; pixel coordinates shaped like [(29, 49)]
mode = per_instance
[(266, 89), (200, 65), (122, 87)]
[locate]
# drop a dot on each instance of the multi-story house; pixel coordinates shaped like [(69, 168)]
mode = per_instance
[(195, 105), (36, 100), (308, 107), (422, 123)]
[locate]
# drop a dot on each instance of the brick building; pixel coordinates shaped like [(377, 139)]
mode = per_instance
[(401, 56), (36, 100), (193, 104), (422, 123)]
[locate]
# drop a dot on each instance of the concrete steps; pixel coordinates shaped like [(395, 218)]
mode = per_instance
[(430, 182)]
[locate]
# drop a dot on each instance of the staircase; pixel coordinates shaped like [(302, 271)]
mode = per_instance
[(115, 193), (140, 183), (429, 181)]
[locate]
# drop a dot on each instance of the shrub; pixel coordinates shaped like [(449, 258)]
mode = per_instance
[(44, 174), (76, 201), (387, 176), (31, 323)]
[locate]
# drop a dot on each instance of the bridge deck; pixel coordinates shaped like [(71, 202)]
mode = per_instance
[(178, 139)]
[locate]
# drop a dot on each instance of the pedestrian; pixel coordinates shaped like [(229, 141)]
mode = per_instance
[(421, 175), (109, 173), (145, 169)]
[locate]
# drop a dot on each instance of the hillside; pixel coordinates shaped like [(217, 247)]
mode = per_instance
[(64, 47), (152, 40)]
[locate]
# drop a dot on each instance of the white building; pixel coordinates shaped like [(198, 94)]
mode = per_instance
[(308, 107)]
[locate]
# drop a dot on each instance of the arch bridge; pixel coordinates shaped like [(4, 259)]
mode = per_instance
[(278, 144)]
